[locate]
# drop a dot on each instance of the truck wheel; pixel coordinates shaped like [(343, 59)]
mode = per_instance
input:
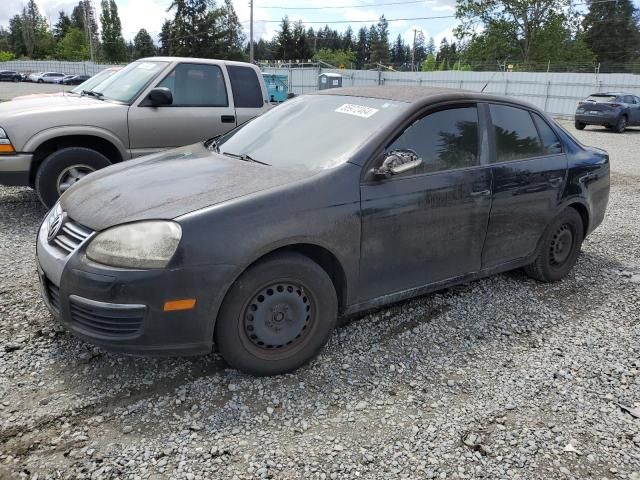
[(277, 316), (621, 125), (559, 248), (580, 125), (63, 168)]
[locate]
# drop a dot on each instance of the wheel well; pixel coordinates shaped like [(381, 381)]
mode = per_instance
[(584, 214), (98, 144), (327, 261)]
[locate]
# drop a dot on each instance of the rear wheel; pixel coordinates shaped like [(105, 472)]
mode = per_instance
[(580, 125), (277, 316), (559, 248), (621, 125), (63, 169)]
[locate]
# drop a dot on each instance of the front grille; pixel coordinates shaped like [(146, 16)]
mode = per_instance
[(53, 295), (106, 319), (70, 236)]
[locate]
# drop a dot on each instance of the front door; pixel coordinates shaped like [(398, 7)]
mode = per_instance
[(529, 174), (201, 109), (428, 224)]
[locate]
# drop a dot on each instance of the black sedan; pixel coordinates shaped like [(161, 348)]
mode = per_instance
[(75, 79), (615, 111), (10, 76), (327, 205)]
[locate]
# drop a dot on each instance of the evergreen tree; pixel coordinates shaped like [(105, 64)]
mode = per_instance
[(285, 42), (431, 47), (611, 31), (113, 46), (347, 40), (142, 45), (380, 44), (62, 26), (165, 38), (232, 33), (362, 48), (419, 50), (82, 12)]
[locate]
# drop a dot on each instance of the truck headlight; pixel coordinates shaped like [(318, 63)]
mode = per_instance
[(5, 143), (147, 244)]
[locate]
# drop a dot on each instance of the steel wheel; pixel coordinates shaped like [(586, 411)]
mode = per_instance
[(278, 318), (561, 245), (71, 175)]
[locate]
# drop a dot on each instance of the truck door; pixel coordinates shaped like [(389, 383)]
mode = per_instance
[(201, 109), (249, 98)]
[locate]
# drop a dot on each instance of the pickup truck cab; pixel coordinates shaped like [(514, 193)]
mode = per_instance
[(151, 105)]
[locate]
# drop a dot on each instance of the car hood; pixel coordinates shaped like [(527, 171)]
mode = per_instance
[(167, 185), (58, 104)]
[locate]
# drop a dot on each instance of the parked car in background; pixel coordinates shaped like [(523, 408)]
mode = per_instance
[(45, 77), (10, 76), (61, 79), (148, 106), (86, 85), (330, 204), (75, 79), (615, 111)]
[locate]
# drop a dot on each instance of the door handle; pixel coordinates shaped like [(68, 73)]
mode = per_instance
[(555, 182), (228, 118), (481, 193)]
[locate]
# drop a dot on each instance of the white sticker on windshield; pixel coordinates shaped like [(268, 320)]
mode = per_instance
[(357, 110), (146, 66)]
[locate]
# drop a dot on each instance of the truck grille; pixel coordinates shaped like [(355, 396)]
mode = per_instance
[(70, 236), (105, 319)]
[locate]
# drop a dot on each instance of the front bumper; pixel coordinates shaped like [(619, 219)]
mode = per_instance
[(122, 309), (14, 169)]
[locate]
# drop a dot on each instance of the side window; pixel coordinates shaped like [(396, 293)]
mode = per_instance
[(444, 140), (628, 99), (550, 142), (515, 134), (246, 87), (636, 100), (196, 85)]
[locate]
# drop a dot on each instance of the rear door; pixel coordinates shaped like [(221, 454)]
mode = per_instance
[(634, 109), (202, 108), (529, 173), (428, 224), (249, 98)]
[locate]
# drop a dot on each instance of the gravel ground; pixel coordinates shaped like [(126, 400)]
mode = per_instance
[(9, 90), (499, 378)]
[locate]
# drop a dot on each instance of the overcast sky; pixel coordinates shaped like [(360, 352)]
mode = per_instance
[(150, 14)]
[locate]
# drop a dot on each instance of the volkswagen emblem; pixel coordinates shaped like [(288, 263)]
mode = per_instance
[(55, 224)]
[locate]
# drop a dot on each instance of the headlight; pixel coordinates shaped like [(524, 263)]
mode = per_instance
[(5, 143), (149, 244)]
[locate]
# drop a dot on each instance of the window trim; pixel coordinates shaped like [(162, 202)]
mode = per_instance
[(367, 178), (224, 84)]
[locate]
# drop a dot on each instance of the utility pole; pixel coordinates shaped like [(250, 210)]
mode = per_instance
[(413, 50), (251, 31), (87, 6)]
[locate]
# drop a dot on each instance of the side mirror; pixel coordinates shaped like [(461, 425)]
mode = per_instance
[(160, 96), (396, 162)]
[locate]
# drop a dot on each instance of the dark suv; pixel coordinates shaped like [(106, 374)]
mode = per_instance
[(10, 76), (615, 111)]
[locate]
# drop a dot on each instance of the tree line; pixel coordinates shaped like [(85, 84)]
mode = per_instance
[(491, 34)]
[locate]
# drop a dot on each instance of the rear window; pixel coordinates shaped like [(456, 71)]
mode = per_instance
[(246, 87), (515, 134), (601, 98), (550, 142)]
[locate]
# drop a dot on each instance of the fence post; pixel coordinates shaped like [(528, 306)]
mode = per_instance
[(506, 86), (546, 97), (379, 76)]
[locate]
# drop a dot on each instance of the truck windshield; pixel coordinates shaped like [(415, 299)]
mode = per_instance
[(311, 132), (94, 81), (126, 84)]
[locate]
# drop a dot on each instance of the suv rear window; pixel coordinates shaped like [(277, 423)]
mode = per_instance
[(246, 87), (515, 134), (601, 98)]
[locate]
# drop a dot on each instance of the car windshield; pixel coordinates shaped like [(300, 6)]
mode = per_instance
[(126, 84), (311, 132), (94, 81), (602, 98)]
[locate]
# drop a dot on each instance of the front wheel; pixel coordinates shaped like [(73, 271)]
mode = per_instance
[(580, 125), (277, 316), (621, 125), (559, 248), (63, 169)]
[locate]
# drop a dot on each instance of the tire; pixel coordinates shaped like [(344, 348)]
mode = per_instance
[(262, 329), (580, 125), (58, 166), (40, 80), (559, 248), (621, 124)]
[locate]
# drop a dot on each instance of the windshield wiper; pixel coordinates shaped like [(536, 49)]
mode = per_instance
[(246, 158), (91, 93), (212, 143)]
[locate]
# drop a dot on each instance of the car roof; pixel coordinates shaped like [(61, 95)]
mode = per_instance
[(609, 94), (196, 60), (420, 95)]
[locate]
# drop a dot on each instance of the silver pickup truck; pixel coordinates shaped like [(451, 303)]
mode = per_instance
[(51, 142)]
